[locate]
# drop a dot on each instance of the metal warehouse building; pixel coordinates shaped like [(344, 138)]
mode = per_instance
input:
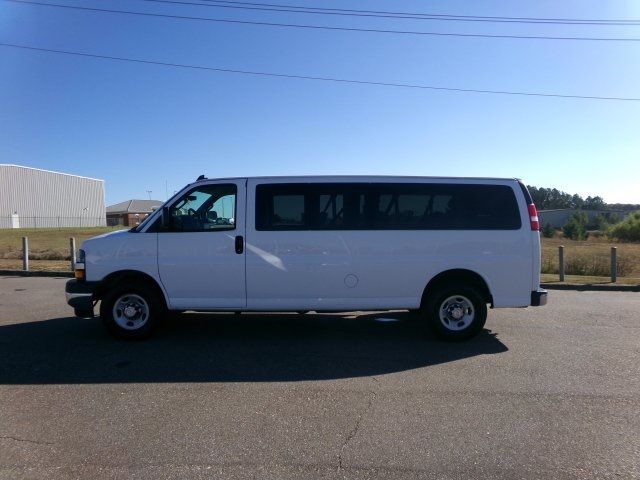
[(34, 198)]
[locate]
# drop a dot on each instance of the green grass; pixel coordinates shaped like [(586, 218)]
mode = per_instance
[(45, 243), (587, 279)]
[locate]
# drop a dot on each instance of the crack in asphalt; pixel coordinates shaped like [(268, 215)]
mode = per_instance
[(26, 440), (352, 433)]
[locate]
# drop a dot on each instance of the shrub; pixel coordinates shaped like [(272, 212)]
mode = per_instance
[(604, 220), (628, 230), (613, 218), (548, 231), (575, 229), (601, 222)]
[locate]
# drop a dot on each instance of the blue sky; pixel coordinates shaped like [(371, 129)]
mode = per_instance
[(145, 127)]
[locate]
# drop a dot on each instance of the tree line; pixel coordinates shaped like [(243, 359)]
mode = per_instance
[(551, 198)]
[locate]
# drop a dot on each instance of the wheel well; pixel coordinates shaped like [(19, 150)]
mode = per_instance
[(115, 278), (458, 275)]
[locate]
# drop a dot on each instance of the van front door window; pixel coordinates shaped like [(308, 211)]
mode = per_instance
[(205, 208)]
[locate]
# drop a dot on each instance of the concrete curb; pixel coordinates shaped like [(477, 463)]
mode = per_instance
[(589, 287), (34, 273)]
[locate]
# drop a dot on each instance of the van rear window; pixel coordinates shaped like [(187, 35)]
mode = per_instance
[(386, 206)]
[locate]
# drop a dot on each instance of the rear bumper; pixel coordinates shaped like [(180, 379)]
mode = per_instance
[(538, 298), (79, 295)]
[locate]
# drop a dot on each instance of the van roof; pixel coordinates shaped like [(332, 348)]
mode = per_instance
[(359, 177)]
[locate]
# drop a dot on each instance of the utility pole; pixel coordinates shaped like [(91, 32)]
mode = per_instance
[(149, 193)]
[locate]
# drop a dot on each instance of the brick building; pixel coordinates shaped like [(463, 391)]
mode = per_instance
[(131, 212)]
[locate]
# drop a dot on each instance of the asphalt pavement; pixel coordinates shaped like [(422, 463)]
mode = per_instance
[(544, 393)]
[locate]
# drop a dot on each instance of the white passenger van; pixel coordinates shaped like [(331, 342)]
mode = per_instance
[(442, 247)]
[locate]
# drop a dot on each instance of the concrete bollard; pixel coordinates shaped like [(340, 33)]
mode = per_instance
[(561, 262), (25, 254), (72, 251), (614, 264)]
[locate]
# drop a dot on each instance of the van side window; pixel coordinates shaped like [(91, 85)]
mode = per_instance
[(281, 207), (287, 211), (386, 206), (337, 206), (402, 210), (445, 207), (205, 208), (316, 206), (331, 213)]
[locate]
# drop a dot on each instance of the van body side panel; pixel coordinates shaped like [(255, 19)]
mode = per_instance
[(325, 271), (361, 270), (378, 269), (503, 261)]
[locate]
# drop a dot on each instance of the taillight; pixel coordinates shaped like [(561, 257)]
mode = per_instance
[(533, 217)]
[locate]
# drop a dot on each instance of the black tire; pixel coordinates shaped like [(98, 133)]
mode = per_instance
[(147, 322), (452, 299)]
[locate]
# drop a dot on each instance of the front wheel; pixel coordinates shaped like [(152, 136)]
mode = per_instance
[(131, 311), (456, 312)]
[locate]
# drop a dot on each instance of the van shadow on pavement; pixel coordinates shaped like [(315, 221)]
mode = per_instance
[(228, 348)]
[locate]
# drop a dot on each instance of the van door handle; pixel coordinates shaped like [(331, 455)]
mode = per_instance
[(239, 244)]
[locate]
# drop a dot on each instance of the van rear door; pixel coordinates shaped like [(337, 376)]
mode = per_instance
[(201, 258)]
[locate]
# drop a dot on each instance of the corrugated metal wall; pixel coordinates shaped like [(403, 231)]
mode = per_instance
[(47, 199)]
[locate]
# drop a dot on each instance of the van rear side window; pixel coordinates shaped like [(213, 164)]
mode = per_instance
[(386, 206)]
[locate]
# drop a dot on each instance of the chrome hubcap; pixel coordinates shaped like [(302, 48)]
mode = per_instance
[(456, 313), (131, 312)]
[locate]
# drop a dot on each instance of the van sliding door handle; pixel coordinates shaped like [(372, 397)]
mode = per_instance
[(239, 244)]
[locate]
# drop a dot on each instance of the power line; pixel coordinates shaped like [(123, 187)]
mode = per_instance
[(395, 15), (315, 78), (323, 27), (423, 14)]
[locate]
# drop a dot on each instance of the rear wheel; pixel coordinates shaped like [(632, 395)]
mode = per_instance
[(456, 311), (131, 311)]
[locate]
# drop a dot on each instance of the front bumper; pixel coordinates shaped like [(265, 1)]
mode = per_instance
[(79, 295), (538, 298)]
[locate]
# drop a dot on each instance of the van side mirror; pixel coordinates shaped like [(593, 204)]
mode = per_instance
[(166, 218)]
